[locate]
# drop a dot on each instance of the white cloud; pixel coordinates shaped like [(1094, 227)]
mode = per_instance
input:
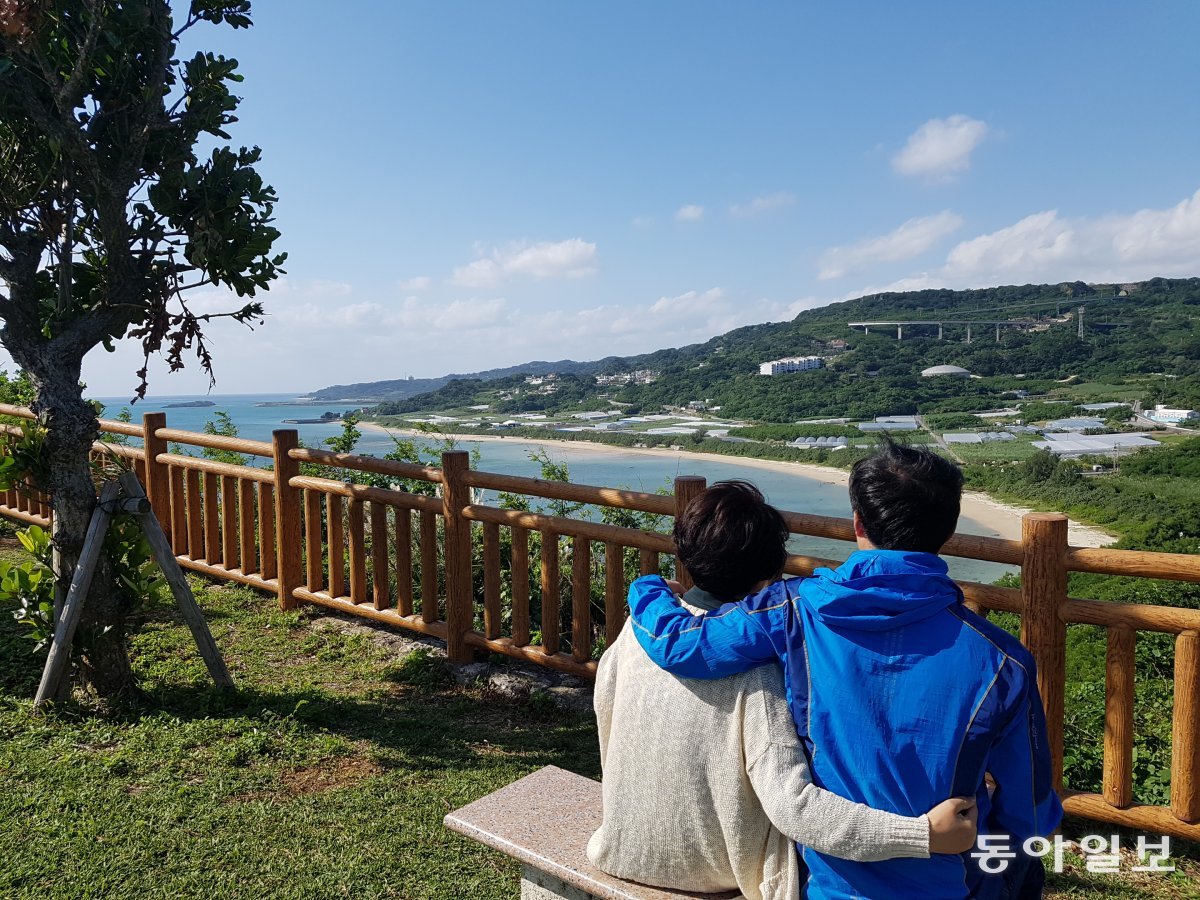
[(761, 204), (911, 239), (642, 221), (690, 213), (418, 283), (1046, 247), (322, 333), (941, 148), (457, 316), (626, 329), (573, 258)]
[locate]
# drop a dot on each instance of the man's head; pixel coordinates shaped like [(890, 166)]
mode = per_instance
[(731, 540), (905, 498)]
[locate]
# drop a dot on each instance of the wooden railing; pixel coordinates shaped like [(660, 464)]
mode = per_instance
[(441, 562)]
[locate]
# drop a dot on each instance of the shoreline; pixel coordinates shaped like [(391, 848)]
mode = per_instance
[(983, 509)]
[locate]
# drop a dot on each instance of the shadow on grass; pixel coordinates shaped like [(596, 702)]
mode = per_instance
[(423, 719), (20, 666)]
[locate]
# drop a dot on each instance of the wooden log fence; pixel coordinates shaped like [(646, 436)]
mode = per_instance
[(439, 560)]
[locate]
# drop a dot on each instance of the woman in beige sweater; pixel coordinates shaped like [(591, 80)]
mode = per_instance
[(726, 792)]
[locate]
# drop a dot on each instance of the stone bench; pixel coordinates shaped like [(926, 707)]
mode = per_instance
[(544, 821)]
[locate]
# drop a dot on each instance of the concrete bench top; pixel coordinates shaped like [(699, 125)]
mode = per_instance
[(545, 820)]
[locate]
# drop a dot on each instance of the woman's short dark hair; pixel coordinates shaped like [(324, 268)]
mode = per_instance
[(730, 539), (908, 498)]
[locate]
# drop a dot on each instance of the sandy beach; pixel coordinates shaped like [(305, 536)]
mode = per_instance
[(1003, 518)]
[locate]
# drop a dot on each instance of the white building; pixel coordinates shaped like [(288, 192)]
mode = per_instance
[(953, 371), (790, 364), (1169, 416)]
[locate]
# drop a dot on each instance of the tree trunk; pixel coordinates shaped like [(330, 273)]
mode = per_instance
[(72, 426)]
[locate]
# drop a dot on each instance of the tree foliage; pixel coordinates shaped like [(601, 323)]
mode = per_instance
[(100, 177)]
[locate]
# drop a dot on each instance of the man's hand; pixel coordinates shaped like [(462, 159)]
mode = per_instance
[(952, 825), (676, 587)]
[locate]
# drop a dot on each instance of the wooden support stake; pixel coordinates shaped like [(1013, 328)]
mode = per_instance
[(160, 547), (457, 554), (81, 582), (1043, 593), (687, 489)]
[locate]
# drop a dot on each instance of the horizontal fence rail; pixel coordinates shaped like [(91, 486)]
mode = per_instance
[(418, 549)]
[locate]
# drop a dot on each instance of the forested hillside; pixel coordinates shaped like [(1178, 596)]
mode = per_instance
[(876, 374)]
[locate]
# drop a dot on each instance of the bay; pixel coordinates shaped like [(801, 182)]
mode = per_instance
[(588, 464)]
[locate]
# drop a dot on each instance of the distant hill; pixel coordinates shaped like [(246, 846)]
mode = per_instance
[(872, 374), (401, 388)]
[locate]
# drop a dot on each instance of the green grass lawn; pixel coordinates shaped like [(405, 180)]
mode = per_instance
[(326, 775)]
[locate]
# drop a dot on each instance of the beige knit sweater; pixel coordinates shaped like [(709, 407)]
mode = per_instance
[(706, 785)]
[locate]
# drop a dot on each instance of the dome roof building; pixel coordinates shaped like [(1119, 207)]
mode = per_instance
[(956, 371)]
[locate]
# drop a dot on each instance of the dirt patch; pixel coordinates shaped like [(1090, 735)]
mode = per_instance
[(315, 779), (329, 776)]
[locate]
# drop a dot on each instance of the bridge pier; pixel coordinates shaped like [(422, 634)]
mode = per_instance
[(899, 332), (997, 332), (939, 331), (968, 334)]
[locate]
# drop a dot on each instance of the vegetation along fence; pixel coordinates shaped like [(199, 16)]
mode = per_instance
[(426, 554)]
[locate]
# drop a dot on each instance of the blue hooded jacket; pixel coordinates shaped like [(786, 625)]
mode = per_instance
[(902, 695)]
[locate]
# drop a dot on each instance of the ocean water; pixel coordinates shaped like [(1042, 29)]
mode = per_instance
[(612, 468)]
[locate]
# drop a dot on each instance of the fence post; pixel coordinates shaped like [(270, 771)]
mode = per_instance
[(687, 488), (288, 559), (1185, 742), (459, 589), (158, 475), (1043, 594)]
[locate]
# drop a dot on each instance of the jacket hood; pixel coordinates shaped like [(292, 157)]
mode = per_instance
[(875, 590)]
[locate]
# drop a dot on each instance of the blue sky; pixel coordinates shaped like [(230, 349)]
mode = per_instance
[(473, 185)]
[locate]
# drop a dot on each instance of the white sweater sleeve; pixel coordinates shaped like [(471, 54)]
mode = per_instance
[(828, 823)]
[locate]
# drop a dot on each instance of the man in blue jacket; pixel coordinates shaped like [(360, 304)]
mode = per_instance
[(901, 694)]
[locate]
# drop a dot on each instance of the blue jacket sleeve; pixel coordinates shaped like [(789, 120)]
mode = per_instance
[(735, 638), (1025, 804)]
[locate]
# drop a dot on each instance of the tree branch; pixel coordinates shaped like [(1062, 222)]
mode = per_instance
[(71, 93)]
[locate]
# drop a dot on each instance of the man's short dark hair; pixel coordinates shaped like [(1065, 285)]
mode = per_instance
[(730, 539), (908, 498)]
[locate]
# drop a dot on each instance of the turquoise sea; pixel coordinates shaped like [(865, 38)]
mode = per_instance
[(613, 467)]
